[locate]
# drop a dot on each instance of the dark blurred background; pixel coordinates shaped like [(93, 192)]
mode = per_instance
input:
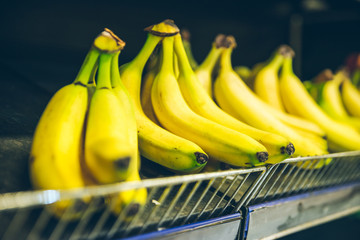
[(46, 41), (43, 44)]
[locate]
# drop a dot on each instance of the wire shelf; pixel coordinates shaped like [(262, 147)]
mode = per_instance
[(299, 175), (171, 201)]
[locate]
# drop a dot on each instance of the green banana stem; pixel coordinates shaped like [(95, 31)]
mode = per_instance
[(104, 71), (287, 68), (88, 67), (168, 51), (276, 61), (211, 58), (140, 60), (184, 63), (115, 74), (225, 60)]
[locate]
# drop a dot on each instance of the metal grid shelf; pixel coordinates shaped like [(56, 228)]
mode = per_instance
[(172, 201)]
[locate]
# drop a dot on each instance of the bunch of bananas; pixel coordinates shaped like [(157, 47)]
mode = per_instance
[(180, 114)]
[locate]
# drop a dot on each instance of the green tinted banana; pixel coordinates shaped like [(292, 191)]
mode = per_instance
[(241, 102), (109, 147), (186, 41), (299, 102), (330, 101), (205, 70), (351, 98), (221, 143), (202, 104), (57, 142), (244, 72), (266, 82), (156, 143)]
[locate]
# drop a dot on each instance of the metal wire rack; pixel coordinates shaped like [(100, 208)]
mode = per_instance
[(171, 201), (298, 175)]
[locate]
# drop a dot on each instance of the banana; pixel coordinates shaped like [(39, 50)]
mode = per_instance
[(241, 102), (221, 143), (205, 70), (109, 148), (266, 82), (57, 142), (243, 71), (202, 104), (299, 102), (156, 143), (331, 102), (351, 98), (186, 41), (147, 82)]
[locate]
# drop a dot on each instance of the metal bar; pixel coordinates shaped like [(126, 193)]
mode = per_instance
[(283, 180), (200, 199), (293, 176), (212, 197), (172, 204), (234, 194), (195, 188), (223, 195), (249, 195), (127, 229), (39, 225), (16, 223), (85, 219), (100, 223), (324, 179), (307, 179), (270, 175), (161, 200), (300, 179)]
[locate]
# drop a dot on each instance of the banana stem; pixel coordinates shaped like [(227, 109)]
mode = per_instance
[(276, 61), (140, 60), (88, 67), (287, 66), (225, 60), (168, 51), (104, 71), (211, 58), (115, 74), (183, 62)]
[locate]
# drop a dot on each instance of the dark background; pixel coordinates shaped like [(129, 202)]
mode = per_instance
[(43, 43)]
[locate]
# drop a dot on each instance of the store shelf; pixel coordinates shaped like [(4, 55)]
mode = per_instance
[(280, 199)]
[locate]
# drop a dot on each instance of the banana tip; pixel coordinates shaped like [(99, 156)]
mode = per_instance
[(289, 149), (201, 158), (262, 156), (286, 51), (133, 209)]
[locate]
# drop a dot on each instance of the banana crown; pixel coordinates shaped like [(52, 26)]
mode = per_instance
[(108, 42), (164, 29)]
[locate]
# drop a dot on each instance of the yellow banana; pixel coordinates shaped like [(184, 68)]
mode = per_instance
[(242, 103), (156, 143), (351, 98), (57, 142), (221, 143), (330, 101), (109, 148), (298, 101), (266, 82), (202, 104), (147, 82), (205, 70)]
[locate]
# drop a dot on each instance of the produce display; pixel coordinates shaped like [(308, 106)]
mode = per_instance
[(165, 107)]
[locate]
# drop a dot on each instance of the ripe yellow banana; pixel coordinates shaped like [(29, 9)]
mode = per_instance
[(57, 142), (110, 149), (330, 101), (299, 102), (205, 70), (240, 102), (351, 98), (221, 143), (147, 82), (266, 82), (156, 143), (202, 104)]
